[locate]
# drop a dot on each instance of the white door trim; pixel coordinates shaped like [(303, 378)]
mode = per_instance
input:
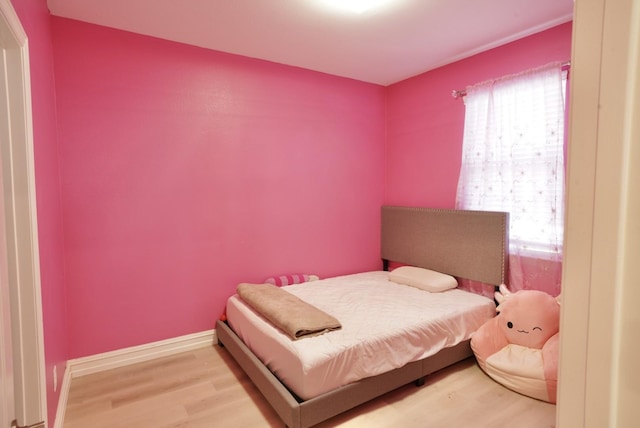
[(21, 224), (598, 383), (7, 403)]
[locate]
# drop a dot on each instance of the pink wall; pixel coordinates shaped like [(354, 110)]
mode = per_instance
[(35, 19), (186, 171), (425, 123)]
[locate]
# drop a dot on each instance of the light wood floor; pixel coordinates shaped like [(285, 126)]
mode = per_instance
[(206, 388)]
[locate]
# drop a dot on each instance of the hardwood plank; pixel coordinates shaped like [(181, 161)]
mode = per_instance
[(206, 388)]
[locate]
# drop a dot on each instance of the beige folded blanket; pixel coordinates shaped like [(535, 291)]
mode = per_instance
[(289, 313)]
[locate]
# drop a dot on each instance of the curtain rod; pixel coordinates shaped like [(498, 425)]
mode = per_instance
[(462, 92)]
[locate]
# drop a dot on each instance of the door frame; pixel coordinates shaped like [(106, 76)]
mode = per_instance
[(598, 382), (18, 171)]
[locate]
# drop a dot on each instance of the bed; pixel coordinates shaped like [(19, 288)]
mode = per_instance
[(305, 392)]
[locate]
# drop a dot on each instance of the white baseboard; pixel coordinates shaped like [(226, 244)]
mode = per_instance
[(136, 354), (62, 400)]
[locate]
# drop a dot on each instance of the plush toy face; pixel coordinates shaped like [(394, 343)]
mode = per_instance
[(529, 318)]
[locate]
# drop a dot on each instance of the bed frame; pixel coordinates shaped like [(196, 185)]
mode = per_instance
[(465, 244)]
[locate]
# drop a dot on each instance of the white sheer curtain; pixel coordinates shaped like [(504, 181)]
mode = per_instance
[(513, 160)]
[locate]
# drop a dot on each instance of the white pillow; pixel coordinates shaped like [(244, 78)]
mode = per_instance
[(425, 279)]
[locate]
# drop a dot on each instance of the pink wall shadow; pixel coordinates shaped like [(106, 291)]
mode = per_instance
[(35, 20), (186, 171)]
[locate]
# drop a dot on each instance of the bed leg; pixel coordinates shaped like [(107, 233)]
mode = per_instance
[(421, 381)]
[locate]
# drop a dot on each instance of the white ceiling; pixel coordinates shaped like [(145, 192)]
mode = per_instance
[(383, 45)]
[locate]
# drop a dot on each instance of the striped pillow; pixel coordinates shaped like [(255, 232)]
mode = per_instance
[(290, 279)]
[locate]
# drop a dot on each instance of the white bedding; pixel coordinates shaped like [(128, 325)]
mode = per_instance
[(384, 326)]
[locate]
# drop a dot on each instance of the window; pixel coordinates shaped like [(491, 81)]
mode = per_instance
[(513, 157)]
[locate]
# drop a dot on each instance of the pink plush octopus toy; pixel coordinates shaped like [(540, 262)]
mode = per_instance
[(519, 347)]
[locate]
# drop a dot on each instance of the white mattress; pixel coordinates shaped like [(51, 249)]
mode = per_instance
[(384, 326)]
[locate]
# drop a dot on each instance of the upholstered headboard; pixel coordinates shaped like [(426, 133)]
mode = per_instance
[(465, 244)]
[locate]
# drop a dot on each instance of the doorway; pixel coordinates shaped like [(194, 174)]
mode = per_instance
[(22, 354)]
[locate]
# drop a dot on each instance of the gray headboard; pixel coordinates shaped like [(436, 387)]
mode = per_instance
[(465, 244)]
